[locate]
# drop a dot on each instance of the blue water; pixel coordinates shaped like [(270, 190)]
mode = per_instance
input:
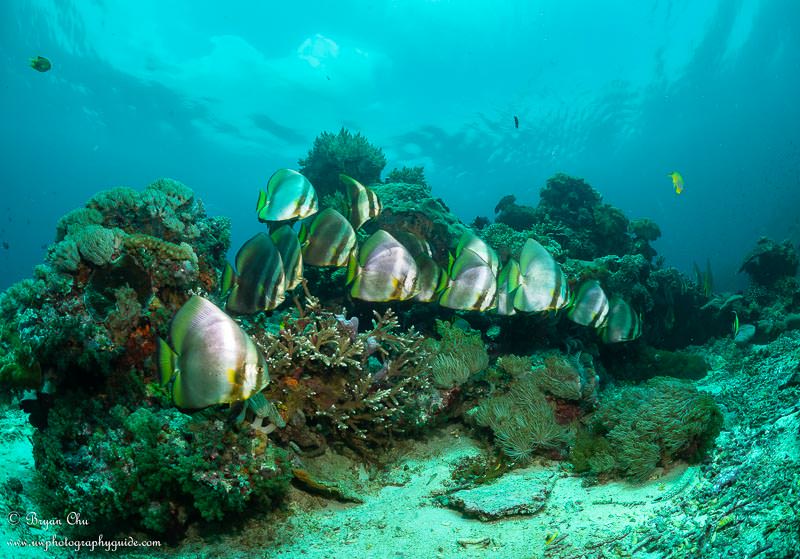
[(620, 93)]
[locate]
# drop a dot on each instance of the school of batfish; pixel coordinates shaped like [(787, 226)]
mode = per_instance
[(211, 360)]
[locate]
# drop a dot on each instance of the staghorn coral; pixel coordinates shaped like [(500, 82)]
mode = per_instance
[(347, 153), (362, 388)]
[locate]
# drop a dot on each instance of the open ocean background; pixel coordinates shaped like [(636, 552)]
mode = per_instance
[(620, 93)]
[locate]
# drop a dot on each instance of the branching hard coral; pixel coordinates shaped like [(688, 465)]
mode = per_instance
[(342, 153), (360, 387)]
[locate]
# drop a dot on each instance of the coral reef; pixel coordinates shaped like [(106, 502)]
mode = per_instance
[(770, 262), (346, 375), (411, 208), (345, 152), (155, 469), (363, 388), (83, 336), (410, 175)]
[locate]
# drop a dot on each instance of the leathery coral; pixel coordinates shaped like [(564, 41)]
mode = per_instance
[(362, 388)]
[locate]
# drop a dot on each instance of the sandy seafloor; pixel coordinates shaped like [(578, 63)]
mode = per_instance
[(743, 501)]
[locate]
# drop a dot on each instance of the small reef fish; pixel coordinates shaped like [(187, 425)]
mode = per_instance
[(211, 360), (590, 307), (329, 240), (472, 273), (289, 195), (677, 181), (384, 270), (288, 246), (542, 284), (40, 64), (259, 283), (364, 203), (507, 283), (622, 325)]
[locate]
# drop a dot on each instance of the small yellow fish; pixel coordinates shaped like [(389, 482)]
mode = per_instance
[(677, 181)]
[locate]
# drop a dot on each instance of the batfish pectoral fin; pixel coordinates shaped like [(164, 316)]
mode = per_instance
[(166, 362)]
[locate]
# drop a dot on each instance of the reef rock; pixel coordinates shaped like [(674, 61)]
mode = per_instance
[(523, 492), (769, 262), (412, 208)]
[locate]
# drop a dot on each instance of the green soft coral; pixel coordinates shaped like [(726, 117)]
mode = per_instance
[(347, 153), (639, 428)]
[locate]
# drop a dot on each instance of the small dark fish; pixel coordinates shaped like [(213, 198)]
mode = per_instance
[(5, 245), (40, 64), (516, 121)]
